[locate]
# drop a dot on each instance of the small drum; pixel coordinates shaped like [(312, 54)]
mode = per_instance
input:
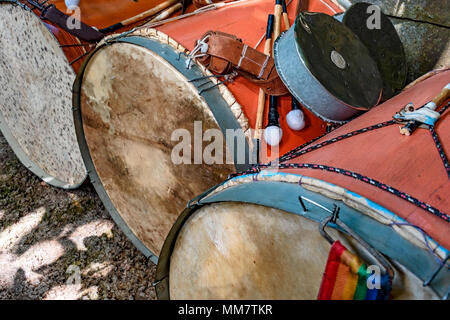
[(35, 100), (135, 100), (256, 236)]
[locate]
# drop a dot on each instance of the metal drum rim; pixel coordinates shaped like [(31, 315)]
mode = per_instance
[(209, 197), (92, 173)]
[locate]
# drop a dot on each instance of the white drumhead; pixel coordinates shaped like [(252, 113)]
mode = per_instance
[(36, 99), (244, 251)]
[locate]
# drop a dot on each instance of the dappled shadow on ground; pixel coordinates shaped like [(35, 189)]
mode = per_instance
[(57, 244)]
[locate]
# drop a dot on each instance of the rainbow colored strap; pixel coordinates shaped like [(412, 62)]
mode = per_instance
[(345, 278)]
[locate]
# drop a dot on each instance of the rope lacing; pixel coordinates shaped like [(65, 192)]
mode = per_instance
[(306, 148)]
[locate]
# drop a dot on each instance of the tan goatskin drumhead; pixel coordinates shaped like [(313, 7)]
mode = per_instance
[(132, 100), (232, 250), (36, 99)]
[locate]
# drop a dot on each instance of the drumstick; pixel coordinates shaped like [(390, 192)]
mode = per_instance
[(140, 16), (411, 126), (295, 118), (273, 132), (166, 13), (262, 96), (285, 15), (277, 27)]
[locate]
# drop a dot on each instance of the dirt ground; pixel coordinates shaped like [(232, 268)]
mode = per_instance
[(57, 244)]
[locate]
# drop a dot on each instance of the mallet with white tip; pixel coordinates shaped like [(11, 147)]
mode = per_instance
[(273, 132), (295, 118)]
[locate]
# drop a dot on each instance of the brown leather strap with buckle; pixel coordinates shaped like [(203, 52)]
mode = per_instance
[(226, 53)]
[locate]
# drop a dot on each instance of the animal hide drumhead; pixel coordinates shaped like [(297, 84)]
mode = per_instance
[(135, 108), (36, 99), (233, 250)]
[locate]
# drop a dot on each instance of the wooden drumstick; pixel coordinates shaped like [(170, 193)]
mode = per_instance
[(166, 13), (277, 24), (140, 16), (262, 96), (411, 126), (287, 25)]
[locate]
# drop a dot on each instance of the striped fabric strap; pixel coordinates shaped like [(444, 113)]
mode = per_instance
[(345, 278)]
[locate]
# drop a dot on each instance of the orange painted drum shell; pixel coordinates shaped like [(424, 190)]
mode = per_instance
[(104, 13), (247, 20), (410, 164)]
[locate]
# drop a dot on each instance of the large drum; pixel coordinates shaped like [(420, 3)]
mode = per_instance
[(35, 100), (38, 64), (256, 236), (135, 102)]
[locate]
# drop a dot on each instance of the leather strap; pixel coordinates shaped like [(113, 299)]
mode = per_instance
[(226, 53), (85, 32)]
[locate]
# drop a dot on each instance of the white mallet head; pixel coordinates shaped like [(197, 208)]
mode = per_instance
[(273, 135), (295, 119)]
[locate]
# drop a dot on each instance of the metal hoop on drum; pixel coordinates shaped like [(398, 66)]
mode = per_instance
[(217, 104)]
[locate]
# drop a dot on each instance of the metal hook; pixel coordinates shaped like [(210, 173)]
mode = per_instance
[(212, 87), (334, 218)]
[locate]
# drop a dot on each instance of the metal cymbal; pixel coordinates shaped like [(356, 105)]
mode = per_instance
[(338, 60)]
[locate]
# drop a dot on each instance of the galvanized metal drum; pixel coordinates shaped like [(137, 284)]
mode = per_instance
[(35, 99), (256, 235), (136, 101), (327, 68)]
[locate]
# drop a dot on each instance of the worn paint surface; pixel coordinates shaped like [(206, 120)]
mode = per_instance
[(132, 100), (36, 95)]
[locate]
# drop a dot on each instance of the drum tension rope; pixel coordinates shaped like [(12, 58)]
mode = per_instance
[(297, 152)]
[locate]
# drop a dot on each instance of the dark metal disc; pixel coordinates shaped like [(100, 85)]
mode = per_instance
[(338, 60), (378, 34)]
